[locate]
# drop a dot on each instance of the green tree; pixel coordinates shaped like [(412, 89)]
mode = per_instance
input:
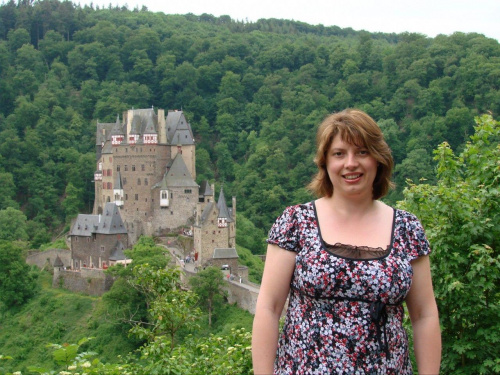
[(461, 215), (169, 307), (17, 280), (209, 286), (73, 201), (12, 225)]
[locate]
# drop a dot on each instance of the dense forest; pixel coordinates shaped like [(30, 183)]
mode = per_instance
[(254, 93)]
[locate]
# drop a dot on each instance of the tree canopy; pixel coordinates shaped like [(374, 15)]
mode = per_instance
[(254, 93)]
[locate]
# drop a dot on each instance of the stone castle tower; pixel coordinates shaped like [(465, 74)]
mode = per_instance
[(146, 166)]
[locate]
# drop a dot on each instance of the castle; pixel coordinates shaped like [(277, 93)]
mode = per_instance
[(145, 185)]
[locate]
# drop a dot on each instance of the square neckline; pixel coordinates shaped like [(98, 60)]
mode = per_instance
[(325, 245)]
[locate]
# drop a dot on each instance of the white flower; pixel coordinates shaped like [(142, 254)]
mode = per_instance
[(86, 364)]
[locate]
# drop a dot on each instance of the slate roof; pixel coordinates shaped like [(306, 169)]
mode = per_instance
[(206, 212), (177, 175), (58, 262), (103, 132), (117, 253), (206, 189), (178, 129), (110, 222), (117, 128), (135, 127), (222, 206), (224, 254), (85, 225), (150, 127)]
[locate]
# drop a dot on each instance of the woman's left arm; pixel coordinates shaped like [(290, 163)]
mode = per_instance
[(424, 318)]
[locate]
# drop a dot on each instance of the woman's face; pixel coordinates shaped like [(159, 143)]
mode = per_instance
[(351, 169)]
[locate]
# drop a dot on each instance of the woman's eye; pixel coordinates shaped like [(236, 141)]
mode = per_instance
[(363, 152)]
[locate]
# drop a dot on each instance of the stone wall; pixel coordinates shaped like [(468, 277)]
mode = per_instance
[(43, 258), (90, 281), (244, 295)]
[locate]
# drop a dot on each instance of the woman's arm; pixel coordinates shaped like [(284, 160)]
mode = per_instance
[(274, 289), (424, 318)]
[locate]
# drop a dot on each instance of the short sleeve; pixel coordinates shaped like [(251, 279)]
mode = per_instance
[(418, 245), (284, 231)]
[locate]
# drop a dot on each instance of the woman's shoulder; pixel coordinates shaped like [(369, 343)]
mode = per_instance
[(405, 216), (299, 209)]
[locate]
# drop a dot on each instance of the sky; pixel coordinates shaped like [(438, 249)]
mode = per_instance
[(428, 17)]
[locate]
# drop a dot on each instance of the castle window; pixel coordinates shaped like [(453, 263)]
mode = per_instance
[(118, 168), (126, 149), (138, 181), (126, 197), (124, 180), (143, 167), (125, 167), (110, 172), (146, 181), (187, 191), (171, 212), (133, 168), (137, 197), (76, 239), (164, 194), (102, 249)]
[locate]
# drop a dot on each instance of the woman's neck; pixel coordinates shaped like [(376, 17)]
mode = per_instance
[(349, 208)]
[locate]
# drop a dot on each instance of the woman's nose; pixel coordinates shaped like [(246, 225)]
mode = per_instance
[(351, 160)]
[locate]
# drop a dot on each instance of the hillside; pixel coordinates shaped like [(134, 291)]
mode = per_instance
[(253, 92), (57, 316)]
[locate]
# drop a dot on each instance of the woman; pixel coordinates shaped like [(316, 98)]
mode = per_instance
[(347, 261)]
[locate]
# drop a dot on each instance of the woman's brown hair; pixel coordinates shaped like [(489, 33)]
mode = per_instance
[(357, 128)]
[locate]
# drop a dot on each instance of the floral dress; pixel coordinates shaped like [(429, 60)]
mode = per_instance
[(345, 308)]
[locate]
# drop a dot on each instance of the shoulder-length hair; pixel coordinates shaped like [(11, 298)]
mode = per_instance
[(357, 128)]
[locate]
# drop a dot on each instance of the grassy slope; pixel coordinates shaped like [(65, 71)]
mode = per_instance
[(60, 316), (56, 316)]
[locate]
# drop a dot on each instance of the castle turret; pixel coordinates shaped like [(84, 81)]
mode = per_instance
[(150, 134), (133, 136), (223, 216), (117, 133)]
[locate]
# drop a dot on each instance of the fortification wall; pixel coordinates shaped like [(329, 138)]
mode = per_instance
[(43, 258), (90, 281), (244, 295)]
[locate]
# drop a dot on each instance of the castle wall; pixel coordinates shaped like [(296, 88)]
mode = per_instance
[(93, 251), (244, 295), (90, 281), (210, 237), (41, 258), (188, 155), (141, 167), (180, 212), (107, 179)]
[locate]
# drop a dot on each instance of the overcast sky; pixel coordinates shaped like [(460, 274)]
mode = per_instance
[(429, 17)]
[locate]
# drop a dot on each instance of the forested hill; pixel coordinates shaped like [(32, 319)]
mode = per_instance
[(253, 92)]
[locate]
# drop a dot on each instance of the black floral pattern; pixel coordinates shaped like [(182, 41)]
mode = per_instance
[(345, 314)]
